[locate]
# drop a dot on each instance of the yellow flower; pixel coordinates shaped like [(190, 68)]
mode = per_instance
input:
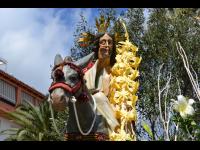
[(129, 59), (121, 136), (132, 100), (132, 86), (119, 58), (118, 82), (121, 96), (183, 106), (123, 88), (131, 73), (131, 115), (118, 68), (126, 46), (135, 61), (117, 110)]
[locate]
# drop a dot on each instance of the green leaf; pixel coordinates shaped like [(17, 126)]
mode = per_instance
[(21, 135), (147, 129)]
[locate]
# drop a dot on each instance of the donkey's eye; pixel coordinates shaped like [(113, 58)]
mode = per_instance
[(58, 74), (73, 78)]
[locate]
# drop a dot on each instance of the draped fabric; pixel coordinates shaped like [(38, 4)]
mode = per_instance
[(101, 83)]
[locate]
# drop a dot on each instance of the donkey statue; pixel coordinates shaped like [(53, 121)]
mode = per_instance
[(85, 121)]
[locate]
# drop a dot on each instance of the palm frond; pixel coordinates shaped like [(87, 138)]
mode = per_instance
[(20, 119), (34, 122)]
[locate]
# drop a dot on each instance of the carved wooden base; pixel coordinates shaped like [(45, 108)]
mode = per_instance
[(90, 137)]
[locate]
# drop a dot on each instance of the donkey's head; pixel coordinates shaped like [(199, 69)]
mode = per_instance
[(67, 78)]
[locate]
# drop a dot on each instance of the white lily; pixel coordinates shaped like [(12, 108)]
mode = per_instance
[(183, 106)]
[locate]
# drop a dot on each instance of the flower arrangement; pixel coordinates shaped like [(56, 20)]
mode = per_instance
[(123, 89)]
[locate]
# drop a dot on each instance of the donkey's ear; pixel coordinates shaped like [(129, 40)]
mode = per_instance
[(83, 62), (58, 59), (68, 59)]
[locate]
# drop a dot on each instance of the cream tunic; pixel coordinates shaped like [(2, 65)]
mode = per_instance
[(102, 84)]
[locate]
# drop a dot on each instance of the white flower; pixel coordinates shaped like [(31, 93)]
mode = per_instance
[(183, 106)]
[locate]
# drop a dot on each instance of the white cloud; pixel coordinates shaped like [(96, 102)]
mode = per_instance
[(30, 38)]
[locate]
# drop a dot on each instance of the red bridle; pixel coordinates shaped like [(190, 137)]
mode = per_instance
[(64, 85)]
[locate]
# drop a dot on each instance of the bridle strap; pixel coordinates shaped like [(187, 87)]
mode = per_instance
[(73, 90), (71, 65), (66, 87)]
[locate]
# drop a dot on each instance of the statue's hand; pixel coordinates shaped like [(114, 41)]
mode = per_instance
[(93, 91)]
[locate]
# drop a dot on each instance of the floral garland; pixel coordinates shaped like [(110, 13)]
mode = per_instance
[(123, 89)]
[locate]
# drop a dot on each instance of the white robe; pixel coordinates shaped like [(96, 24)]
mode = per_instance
[(103, 104)]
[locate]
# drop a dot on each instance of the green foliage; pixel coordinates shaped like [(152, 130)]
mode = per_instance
[(135, 23), (35, 123), (164, 29), (61, 122)]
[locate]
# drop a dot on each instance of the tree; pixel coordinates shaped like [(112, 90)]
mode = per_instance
[(135, 24), (35, 123), (159, 46), (77, 51)]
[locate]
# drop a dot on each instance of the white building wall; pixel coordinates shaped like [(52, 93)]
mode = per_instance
[(5, 124)]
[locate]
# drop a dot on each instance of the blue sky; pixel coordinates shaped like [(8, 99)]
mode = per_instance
[(31, 37)]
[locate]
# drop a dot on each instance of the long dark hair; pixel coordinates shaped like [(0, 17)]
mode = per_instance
[(96, 47)]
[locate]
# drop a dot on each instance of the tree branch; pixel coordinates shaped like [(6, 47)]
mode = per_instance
[(183, 55), (165, 120)]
